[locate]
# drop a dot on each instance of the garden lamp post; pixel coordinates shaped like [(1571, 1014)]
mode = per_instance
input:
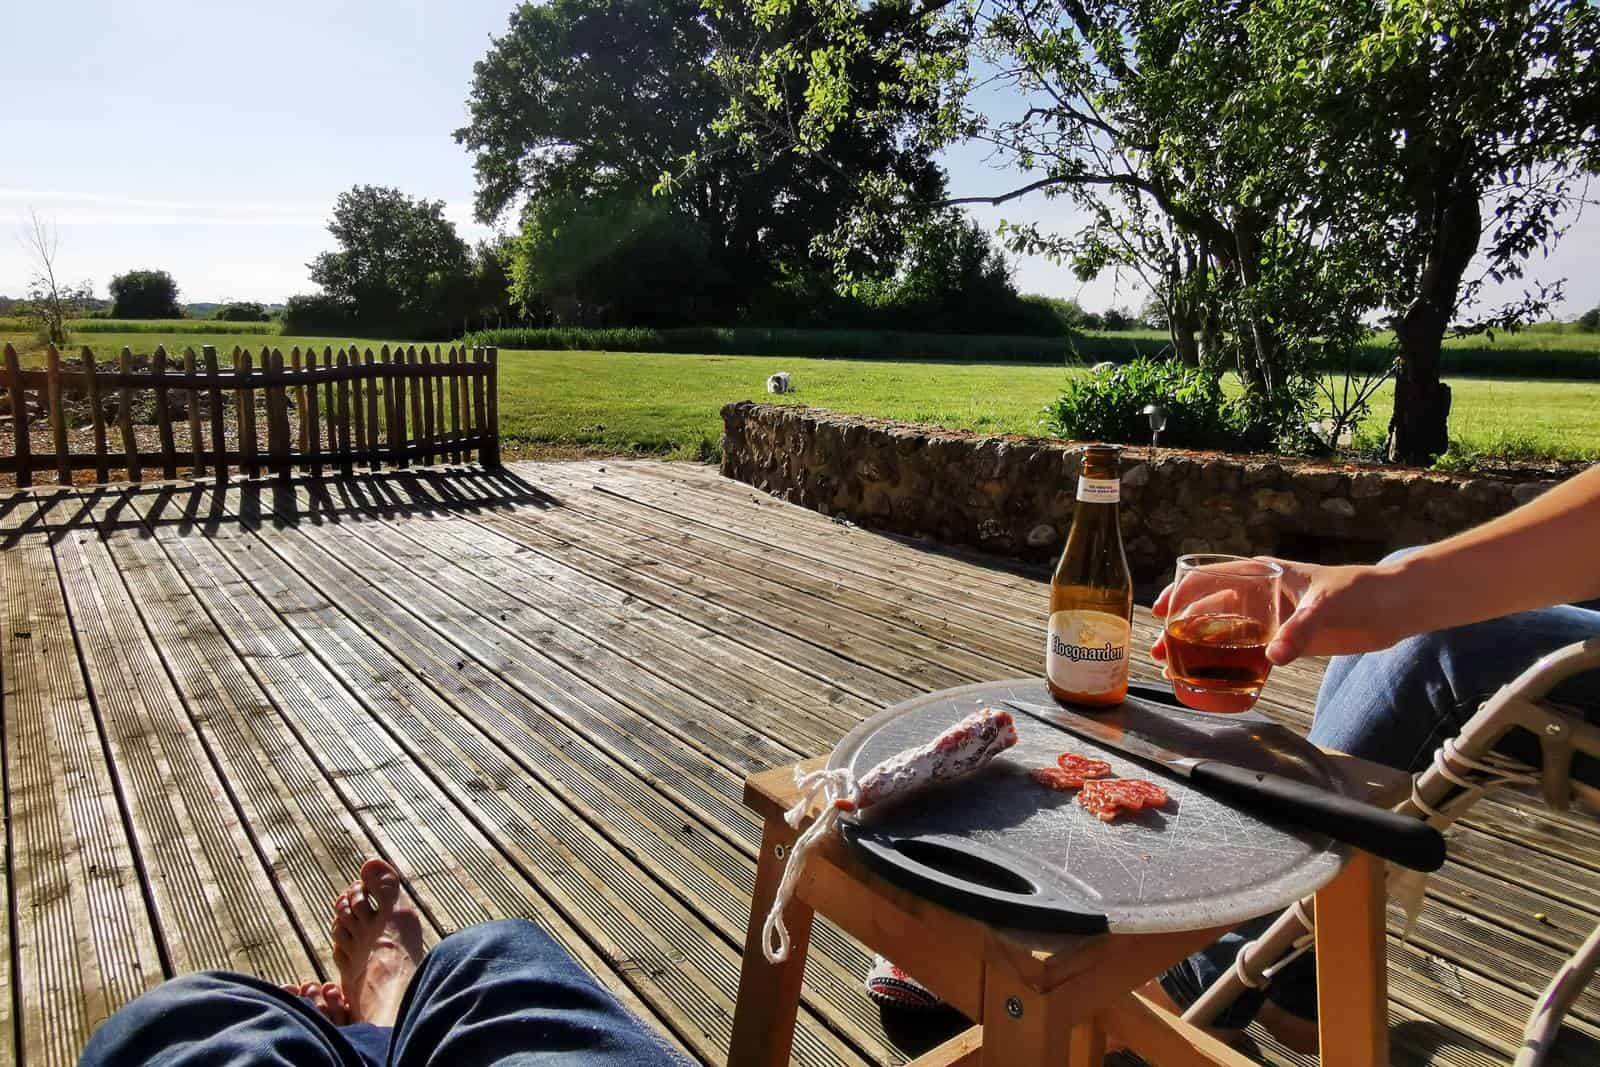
[(1157, 414)]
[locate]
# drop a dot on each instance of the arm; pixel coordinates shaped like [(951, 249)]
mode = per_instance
[(1545, 552)]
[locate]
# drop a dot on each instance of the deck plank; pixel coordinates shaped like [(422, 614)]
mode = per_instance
[(85, 942), (461, 688), (217, 905)]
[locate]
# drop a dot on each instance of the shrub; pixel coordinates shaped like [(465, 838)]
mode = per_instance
[(1110, 407), (1589, 321), (145, 294), (241, 311), (317, 313)]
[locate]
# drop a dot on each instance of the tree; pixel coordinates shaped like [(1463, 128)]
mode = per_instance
[(145, 294), (1589, 321), (1275, 170), (241, 311), (614, 262), (51, 302), (590, 108), (400, 262), (1444, 111)]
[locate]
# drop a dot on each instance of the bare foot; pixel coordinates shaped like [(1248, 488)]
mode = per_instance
[(327, 997), (377, 945)]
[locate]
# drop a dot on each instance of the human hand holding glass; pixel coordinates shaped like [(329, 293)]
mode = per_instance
[(1221, 612)]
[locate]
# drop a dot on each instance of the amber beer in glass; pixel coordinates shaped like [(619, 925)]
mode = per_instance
[(1091, 594), (1222, 613)]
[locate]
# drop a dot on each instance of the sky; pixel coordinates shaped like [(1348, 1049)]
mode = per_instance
[(210, 139)]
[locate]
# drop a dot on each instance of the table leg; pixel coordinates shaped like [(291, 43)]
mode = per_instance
[(1088, 1046), (1024, 1027), (769, 994), (1352, 971)]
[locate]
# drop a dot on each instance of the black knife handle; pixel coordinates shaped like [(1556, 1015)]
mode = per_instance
[(1394, 837)]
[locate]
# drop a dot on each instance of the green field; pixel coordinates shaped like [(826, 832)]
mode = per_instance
[(665, 403), (668, 403)]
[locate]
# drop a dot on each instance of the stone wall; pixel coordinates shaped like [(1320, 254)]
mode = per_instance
[(1014, 495)]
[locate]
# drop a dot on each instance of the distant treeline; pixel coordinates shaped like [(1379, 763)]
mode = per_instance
[(1551, 355)]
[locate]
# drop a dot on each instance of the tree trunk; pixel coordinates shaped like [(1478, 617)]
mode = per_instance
[(1419, 427), (1182, 325)]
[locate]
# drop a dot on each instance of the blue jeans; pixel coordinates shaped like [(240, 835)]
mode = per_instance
[(1396, 707), (501, 993)]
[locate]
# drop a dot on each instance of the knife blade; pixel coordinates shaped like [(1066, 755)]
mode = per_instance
[(1275, 797)]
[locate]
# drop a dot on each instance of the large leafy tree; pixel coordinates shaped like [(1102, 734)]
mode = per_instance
[(1277, 170), (583, 115), (145, 294), (1456, 134), (399, 259)]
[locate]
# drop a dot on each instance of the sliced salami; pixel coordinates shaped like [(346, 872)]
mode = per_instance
[(1083, 768), (1108, 798), (1056, 778)]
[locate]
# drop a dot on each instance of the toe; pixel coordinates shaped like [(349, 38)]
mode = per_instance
[(381, 883), (337, 1010), (311, 989)]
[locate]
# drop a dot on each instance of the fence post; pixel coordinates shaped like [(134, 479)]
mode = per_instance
[(491, 457), (374, 458), (130, 443), (455, 404), (358, 407), (480, 412), (441, 436), (91, 389), (277, 415), (249, 448), (425, 383), (310, 420), (219, 436), (58, 421), (329, 408), (19, 419), (169, 451), (401, 427), (345, 467), (414, 394), (300, 402), (196, 438)]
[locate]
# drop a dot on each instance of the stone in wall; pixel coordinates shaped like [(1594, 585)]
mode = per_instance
[(1014, 495)]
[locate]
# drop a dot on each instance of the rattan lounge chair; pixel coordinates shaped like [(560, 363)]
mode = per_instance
[(1462, 770)]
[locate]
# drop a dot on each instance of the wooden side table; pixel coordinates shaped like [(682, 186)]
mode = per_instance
[(1044, 999)]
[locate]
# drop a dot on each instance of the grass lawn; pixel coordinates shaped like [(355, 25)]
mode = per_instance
[(667, 403), (670, 403)]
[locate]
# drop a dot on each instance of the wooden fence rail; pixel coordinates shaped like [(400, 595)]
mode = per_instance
[(309, 412)]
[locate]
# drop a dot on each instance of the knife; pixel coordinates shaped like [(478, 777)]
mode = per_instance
[(1389, 835)]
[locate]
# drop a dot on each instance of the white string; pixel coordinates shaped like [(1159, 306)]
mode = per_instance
[(1240, 973), (1408, 888), (1496, 769), (831, 786)]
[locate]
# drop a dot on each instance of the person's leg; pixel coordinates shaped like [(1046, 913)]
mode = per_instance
[(213, 1019), (1397, 706), (506, 993)]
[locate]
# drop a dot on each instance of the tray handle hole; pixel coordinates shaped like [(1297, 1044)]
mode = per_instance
[(963, 865)]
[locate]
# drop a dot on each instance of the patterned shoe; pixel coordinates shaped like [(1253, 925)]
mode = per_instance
[(889, 985)]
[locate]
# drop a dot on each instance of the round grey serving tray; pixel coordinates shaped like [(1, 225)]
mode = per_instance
[(1000, 847)]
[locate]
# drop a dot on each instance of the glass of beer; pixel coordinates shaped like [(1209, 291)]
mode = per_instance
[(1222, 613)]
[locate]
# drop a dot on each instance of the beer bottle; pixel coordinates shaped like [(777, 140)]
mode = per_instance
[(1091, 594)]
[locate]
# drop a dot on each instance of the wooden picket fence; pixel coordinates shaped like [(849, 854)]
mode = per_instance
[(398, 407)]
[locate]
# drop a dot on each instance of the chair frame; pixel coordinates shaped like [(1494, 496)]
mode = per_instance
[(1463, 769)]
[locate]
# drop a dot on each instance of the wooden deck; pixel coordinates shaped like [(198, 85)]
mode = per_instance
[(538, 693)]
